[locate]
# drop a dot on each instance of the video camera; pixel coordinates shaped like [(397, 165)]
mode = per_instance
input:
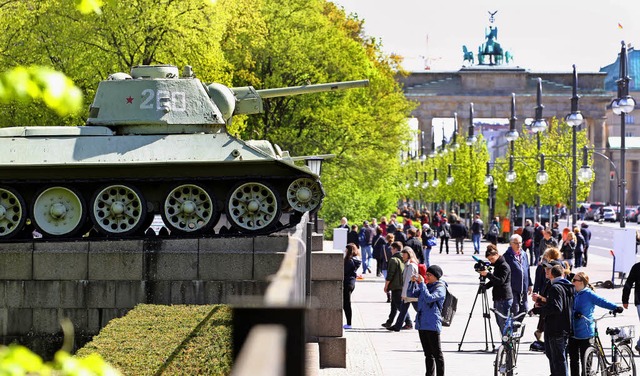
[(481, 265)]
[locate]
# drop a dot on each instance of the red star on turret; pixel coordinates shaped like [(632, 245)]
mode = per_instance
[(129, 100)]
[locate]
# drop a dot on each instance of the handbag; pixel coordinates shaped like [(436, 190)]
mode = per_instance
[(412, 290), (432, 242)]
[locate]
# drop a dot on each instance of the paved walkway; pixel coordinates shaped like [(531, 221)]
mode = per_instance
[(373, 350)]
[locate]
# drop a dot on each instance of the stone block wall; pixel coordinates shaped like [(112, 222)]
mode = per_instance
[(92, 282)]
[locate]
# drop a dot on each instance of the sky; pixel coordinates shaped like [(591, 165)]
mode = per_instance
[(542, 35)]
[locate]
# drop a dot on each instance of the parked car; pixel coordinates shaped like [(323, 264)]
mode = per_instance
[(593, 209), (631, 214), (607, 214)]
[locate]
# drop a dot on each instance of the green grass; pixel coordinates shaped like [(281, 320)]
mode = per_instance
[(167, 340)]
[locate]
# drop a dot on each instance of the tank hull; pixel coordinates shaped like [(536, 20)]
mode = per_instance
[(249, 187)]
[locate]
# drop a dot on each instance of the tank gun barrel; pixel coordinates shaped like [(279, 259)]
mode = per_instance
[(307, 89), (249, 100)]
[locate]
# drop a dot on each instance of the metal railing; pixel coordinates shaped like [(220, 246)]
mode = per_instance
[(282, 310)]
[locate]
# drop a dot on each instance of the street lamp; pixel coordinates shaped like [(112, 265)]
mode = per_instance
[(454, 138), (449, 176), (471, 138), (511, 174), (539, 124), (574, 119), (432, 152), (425, 182), (512, 134), (435, 181), (542, 177), (622, 106), (586, 173), (488, 178)]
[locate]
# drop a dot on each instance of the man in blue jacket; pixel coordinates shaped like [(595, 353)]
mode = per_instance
[(521, 284), (431, 293)]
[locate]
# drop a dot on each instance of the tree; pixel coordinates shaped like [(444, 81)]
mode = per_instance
[(556, 145), (314, 42)]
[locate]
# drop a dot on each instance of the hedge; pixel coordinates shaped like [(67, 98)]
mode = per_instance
[(167, 340)]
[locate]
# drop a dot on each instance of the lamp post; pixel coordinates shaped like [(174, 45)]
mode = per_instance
[(622, 106), (539, 125), (574, 119), (511, 136)]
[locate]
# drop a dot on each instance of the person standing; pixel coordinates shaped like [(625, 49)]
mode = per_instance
[(586, 234), (428, 241), (383, 225), (568, 248), (378, 250), (494, 232), (500, 281), (365, 237), (548, 241), (410, 269), (633, 279), (584, 303), (444, 232), (556, 308), (476, 233), (415, 244), (580, 244), (527, 239), (393, 283), (351, 265), (459, 231), (521, 284), (344, 223), (430, 293), (352, 236)]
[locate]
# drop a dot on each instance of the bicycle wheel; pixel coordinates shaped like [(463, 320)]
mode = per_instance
[(503, 364), (625, 364), (593, 364)]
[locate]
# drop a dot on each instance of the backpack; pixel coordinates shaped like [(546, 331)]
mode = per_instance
[(493, 230), (362, 238), (449, 307)]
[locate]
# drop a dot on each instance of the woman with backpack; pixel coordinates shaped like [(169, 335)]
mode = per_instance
[(428, 241), (431, 293), (494, 232)]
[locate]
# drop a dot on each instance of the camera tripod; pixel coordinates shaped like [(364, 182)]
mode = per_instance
[(482, 291)]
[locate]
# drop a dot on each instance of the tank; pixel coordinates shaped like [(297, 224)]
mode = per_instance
[(155, 143)]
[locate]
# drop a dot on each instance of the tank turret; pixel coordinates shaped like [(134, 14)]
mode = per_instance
[(154, 100), (154, 146)]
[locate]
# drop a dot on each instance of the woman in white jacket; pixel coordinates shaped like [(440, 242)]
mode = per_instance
[(410, 270)]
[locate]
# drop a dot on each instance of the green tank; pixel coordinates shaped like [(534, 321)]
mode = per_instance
[(155, 143)]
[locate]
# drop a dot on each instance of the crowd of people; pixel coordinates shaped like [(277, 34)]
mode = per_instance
[(563, 297)]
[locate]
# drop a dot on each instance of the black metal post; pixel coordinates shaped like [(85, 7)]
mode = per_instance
[(574, 152), (536, 209)]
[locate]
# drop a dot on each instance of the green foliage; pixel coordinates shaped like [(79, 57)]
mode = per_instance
[(169, 340), (41, 83), (18, 360), (313, 41), (556, 145), (468, 166)]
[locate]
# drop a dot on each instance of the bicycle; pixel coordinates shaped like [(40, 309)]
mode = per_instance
[(622, 363), (507, 355)]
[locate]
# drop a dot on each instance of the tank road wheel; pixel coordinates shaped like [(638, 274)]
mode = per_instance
[(58, 211), (253, 207), (189, 208), (304, 194), (12, 213), (118, 210)]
